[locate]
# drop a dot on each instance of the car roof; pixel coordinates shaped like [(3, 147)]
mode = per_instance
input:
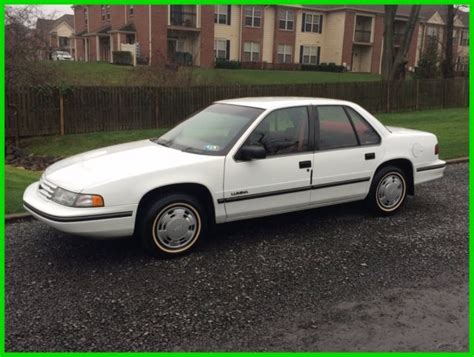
[(281, 102)]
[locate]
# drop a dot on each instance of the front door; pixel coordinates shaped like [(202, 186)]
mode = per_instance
[(281, 181), (348, 151)]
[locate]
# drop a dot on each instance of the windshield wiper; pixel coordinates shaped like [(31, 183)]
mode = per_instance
[(192, 150), (166, 143)]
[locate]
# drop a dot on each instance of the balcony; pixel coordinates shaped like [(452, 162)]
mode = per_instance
[(183, 17), (362, 36)]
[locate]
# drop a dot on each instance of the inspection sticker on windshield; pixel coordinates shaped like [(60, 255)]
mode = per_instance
[(212, 147)]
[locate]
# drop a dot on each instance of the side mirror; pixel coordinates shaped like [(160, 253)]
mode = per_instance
[(250, 152)]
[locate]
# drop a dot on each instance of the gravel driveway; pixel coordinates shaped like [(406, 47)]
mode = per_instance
[(326, 279)]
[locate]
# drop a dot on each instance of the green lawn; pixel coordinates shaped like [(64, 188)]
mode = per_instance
[(450, 125), (101, 73), (16, 180), (68, 145)]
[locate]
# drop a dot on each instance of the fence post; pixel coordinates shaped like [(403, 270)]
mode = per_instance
[(61, 113), (387, 108)]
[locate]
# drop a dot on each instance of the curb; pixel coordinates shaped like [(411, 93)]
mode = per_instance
[(14, 217), (458, 160)]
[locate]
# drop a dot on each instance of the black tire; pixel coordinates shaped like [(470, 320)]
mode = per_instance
[(387, 175), (154, 240)]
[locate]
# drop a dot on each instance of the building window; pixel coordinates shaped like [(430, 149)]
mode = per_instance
[(312, 23), (285, 54), (310, 54), (253, 16), (462, 64), (130, 10), (63, 42), (432, 33), (102, 12), (222, 14), (86, 15), (107, 11), (220, 49), (286, 20), (465, 38), (251, 51)]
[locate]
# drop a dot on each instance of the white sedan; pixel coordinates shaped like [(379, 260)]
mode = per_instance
[(61, 56), (236, 159)]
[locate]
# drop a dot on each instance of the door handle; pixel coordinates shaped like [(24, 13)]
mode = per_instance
[(305, 164), (370, 156)]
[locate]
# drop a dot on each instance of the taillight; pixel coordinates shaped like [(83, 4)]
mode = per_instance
[(436, 149)]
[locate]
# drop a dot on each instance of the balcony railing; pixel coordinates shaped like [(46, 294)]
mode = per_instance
[(183, 19), (362, 36)]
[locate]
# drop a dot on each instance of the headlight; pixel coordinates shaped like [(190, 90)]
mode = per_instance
[(71, 199)]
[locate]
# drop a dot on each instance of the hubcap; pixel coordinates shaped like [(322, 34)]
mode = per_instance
[(176, 226), (390, 191)]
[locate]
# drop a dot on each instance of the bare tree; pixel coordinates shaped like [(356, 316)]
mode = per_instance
[(393, 65), (22, 46), (448, 50)]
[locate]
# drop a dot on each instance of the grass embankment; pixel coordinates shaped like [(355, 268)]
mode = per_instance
[(450, 125), (101, 73)]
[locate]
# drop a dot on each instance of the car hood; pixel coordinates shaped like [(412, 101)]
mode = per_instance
[(112, 163)]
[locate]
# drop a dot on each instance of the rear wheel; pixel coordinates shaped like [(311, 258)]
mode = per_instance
[(388, 191), (173, 225)]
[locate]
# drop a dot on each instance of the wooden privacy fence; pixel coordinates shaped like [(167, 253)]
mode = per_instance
[(33, 111)]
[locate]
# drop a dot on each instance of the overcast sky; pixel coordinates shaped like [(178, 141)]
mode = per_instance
[(57, 9)]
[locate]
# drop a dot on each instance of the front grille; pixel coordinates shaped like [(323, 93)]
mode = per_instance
[(46, 188)]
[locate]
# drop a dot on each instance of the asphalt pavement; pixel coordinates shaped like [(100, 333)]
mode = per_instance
[(330, 279)]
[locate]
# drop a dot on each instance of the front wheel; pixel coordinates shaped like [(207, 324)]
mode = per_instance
[(172, 225), (388, 191)]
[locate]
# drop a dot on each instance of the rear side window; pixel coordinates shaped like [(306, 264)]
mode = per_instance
[(367, 135), (335, 128)]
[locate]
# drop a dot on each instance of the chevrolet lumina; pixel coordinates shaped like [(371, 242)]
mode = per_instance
[(236, 159)]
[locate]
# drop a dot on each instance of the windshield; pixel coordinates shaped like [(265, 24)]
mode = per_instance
[(212, 131)]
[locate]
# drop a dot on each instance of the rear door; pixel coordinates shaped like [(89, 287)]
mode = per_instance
[(348, 150), (279, 182)]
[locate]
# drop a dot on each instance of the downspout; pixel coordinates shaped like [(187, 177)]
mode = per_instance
[(149, 35), (240, 32)]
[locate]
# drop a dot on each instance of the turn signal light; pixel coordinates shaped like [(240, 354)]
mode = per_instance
[(436, 149)]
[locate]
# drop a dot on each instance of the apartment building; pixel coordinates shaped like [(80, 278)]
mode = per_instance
[(197, 35)]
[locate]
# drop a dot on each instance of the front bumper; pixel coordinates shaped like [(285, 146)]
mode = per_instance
[(115, 221)]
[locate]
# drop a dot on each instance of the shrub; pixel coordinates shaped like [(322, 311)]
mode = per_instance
[(323, 67), (226, 64), (122, 57)]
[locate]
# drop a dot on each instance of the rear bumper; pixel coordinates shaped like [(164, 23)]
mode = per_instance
[(116, 221), (430, 171)]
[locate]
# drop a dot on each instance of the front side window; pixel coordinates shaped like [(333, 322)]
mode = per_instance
[(220, 48), (253, 16), (285, 53), (312, 23), (212, 131), (310, 55), (366, 134), (283, 131), (286, 20), (221, 14), (251, 51), (335, 128)]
